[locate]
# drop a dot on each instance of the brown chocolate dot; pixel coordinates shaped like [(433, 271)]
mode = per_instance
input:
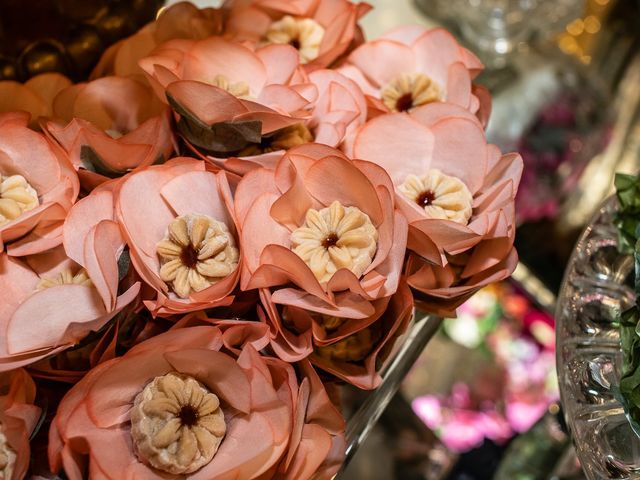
[(189, 256), (426, 198), (295, 43), (330, 241), (404, 103), (188, 415)]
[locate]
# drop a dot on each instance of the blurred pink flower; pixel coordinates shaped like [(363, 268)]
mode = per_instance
[(459, 426), (429, 409), (494, 426), (507, 396), (462, 432), (522, 414)]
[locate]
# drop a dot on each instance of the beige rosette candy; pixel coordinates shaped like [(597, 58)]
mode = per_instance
[(7, 457), (304, 34), (335, 237), (197, 252), (16, 197), (176, 424), (410, 90), (442, 196)]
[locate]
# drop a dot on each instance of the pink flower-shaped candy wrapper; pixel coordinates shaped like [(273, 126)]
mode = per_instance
[(335, 115), (37, 188), (357, 358), (448, 48), (69, 366), (236, 333), (56, 298), (452, 256), (35, 96), (18, 419), (182, 194), (109, 127), (414, 66), (180, 20), (92, 238), (273, 204), (317, 445), (294, 332), (228, 95), (321, 30), (264, 409)]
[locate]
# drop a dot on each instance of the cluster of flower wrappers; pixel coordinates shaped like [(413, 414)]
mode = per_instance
[(234, 215)]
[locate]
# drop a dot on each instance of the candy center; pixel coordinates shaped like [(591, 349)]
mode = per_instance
[(404, 103), (16, 197), (197, 252), (330, 241), (188, 415), (177, 424), (303, 34), (441, 196), (410, 90), (237, 89), (7, 456), (295, 43), (335, 237), (65, 277), (426, 198), (189, 256)]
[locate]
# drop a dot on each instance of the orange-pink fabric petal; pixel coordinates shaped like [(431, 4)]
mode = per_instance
[(19, 416), (397, 143), (399, 58)]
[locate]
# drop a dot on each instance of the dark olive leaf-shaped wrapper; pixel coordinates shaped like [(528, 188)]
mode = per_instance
[(94, 163), (222, 137)]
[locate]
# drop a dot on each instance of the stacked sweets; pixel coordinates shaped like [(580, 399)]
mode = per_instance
[(235, 214)]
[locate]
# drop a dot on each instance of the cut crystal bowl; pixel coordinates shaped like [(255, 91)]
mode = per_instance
[(597, 287)]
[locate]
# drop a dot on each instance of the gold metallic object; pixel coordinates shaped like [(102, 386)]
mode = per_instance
[(65, 36)]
